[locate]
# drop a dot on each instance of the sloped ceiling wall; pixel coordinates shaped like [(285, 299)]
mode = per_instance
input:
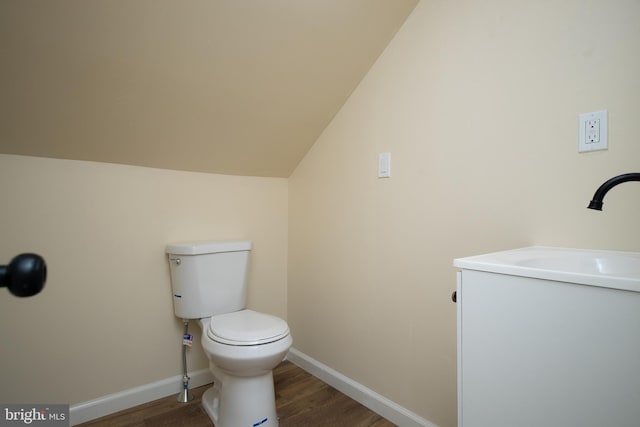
[(240, 87)]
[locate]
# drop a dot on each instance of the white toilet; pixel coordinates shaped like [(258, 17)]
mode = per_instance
[(209, 281)]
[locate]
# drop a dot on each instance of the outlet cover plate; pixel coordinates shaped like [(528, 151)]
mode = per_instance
[(593, 131)]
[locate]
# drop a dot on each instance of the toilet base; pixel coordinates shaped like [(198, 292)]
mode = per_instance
[(242, 401)]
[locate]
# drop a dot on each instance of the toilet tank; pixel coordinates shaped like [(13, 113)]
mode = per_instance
[(208, 278)]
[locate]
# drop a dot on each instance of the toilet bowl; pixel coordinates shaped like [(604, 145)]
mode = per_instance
[(243, 347)]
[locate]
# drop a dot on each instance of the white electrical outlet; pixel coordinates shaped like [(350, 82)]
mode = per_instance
[(593, 131)]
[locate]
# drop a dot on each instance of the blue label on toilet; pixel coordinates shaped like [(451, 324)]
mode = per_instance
[(260, 423)]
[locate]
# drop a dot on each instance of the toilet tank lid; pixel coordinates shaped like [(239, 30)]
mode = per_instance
[(208, 247)]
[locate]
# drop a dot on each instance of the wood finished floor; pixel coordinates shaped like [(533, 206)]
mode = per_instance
[(302, 400)]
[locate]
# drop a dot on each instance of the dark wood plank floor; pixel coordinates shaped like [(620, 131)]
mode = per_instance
[(301, 400)]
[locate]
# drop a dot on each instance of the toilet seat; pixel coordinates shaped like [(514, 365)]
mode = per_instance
[(246, 328)]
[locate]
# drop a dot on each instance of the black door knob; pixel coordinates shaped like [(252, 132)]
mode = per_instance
[(25, 275)]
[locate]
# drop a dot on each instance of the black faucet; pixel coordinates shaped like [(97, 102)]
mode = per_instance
[(596, 203)]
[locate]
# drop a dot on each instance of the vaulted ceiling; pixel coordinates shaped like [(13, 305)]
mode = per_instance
[(241, 87)]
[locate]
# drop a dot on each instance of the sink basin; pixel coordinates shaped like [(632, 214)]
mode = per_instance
[(606, 264), (612, 269)]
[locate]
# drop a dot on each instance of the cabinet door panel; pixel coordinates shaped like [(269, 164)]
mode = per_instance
[(541, 353)]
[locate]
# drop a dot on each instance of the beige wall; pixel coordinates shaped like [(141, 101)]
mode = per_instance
[(104, 322), (478, 103)]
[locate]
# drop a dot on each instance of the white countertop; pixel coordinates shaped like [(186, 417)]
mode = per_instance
[(610, 269)]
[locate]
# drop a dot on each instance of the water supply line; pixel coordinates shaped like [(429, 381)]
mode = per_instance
[(185, 395)]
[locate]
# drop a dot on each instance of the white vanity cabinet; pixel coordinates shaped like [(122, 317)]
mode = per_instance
[(537, 348)]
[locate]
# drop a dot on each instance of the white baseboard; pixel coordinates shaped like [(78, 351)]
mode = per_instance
[(361, 394), (126, 399)]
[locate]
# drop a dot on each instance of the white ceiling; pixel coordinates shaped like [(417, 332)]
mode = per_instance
[(240, 87)]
